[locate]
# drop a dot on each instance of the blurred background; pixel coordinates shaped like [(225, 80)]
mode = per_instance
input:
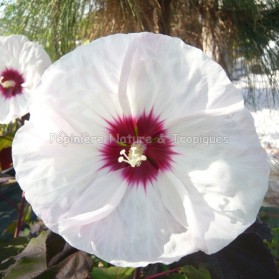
[(241, 35)]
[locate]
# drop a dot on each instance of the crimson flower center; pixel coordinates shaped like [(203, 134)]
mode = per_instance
[(138, 147), (11, 82)]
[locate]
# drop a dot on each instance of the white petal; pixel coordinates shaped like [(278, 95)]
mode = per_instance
[(228, 178), (53, 174), (5, 113), (11, 47), (172, 199), (173, 79), (91, 94), (138, 231), (95, 203), (13, 108)]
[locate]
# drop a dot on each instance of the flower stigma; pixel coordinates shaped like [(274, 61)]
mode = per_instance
[(135, 156)]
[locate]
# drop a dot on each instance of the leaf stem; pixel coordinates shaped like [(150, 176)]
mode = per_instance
[(20, 215), (137, 273)]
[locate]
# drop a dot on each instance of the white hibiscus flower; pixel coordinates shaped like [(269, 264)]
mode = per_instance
[(22, 64), (139, 150)]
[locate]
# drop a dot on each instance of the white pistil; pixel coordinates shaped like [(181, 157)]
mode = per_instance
[(134, 158), (7, 84)]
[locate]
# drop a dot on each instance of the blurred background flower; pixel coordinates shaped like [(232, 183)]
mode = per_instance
[(22, 64)]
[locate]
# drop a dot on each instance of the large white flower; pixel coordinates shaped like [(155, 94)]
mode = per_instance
[(22, 64), (140, 150)]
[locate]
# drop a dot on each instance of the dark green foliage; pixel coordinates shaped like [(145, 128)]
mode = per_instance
[(48, 256), (245, 258)]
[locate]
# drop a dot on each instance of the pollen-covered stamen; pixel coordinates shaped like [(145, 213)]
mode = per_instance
[(134, 158), (7, 83)]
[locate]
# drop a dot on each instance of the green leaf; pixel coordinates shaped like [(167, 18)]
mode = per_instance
[(49, 256), (274, 244), (57, 249), (270, 215), (246, 257), (261, 229), (152, 269), (5, 142), (193, 273), (10, 229), (28, 213), (9, 249), (177, 276), (76, 266), (31, 261), (112, 273)]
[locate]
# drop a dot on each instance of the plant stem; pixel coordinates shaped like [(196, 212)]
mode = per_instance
[(20, 215), (137, 273)]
